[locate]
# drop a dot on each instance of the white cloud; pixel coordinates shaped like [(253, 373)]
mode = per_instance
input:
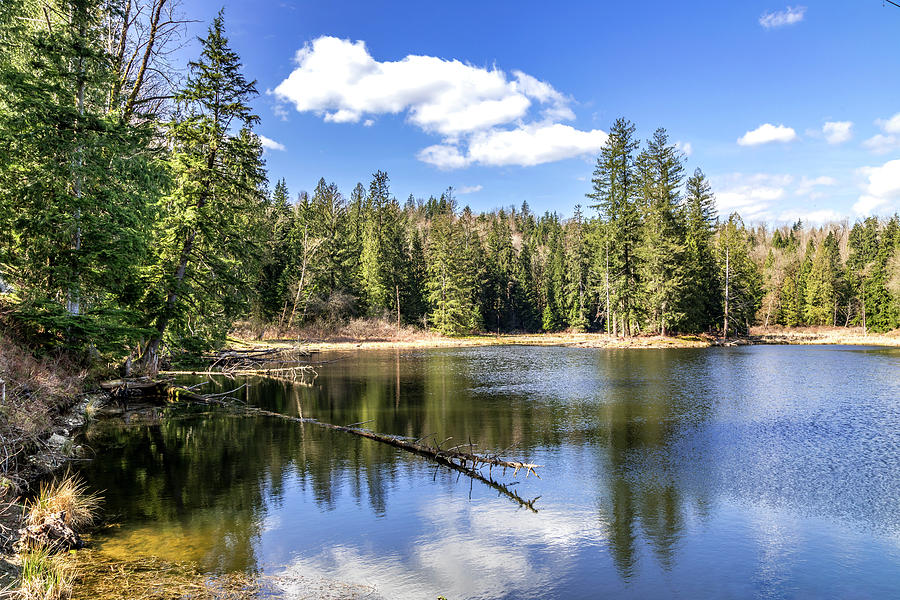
[(482, 114), (469, 189), (526, 145), (340, 80), (368, 122), (270, 144), (753, 196), (891, 125), (837, 132), (767, 133), (881, 143), (807, 186), (788, 16), (685, 147), (443, 156), (534, 144), (882, 190)]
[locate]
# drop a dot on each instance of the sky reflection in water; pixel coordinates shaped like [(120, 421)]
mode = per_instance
[(731, 472)]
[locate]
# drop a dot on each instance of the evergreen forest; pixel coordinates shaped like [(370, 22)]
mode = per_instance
[(137, 216)]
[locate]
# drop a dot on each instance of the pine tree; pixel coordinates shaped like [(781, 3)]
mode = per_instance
[(662, 248), (383, 260), (554, 313), (451, 285), (218, 169), (615, 195), (271, 290), (701, 296), (577, 267), (821, 286)]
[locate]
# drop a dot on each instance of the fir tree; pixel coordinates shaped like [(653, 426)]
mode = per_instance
[(701, 297), (615, 195), (218, 169), (663, 245), (77, 184), (741, 293)]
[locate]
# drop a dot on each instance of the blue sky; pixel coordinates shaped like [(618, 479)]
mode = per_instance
[(788, 108)]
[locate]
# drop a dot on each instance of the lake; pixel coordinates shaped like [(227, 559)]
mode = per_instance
[(746, 472)]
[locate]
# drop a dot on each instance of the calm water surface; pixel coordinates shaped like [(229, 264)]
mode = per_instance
[(751, 472)]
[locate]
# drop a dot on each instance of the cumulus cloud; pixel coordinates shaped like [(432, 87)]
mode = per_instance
[(753, 196), (270, 144), (469, 189), (767, 133), (474, 109), (534, 144), (881, 143), (837, 132), (891, 125), (443, 156), (881, 192), (526, 145), (788, 16)]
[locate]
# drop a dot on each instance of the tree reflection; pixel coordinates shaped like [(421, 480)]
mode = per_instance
[(212, 478)]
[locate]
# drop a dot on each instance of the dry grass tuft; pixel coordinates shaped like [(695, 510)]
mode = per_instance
[(69, 497)]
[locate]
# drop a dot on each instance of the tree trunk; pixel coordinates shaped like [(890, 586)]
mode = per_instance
[(865, 328), (608, 314), (150, 359), (662, 320), (73, 304), (727, 283)]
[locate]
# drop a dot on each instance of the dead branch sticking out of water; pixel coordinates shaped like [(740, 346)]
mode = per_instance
[(298, 374), (236, 360), (467, 463)]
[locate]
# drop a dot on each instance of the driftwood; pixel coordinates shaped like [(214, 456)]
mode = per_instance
[(125, 388), (467, 463), (231, 360)]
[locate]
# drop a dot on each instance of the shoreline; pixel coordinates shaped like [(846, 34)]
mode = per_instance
[(758, 336)]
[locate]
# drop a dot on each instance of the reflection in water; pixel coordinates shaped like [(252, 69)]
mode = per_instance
[(723, 472)]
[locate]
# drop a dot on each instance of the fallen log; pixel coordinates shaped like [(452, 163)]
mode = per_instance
[(467, 463), (451, 457), (125, 388)]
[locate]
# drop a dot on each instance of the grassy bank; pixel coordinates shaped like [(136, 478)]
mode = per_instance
[(36, 420)]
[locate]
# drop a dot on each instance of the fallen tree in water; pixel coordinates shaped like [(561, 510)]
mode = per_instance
[(466, 462)]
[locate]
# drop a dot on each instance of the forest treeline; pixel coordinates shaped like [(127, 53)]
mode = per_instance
[(135, 214)]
